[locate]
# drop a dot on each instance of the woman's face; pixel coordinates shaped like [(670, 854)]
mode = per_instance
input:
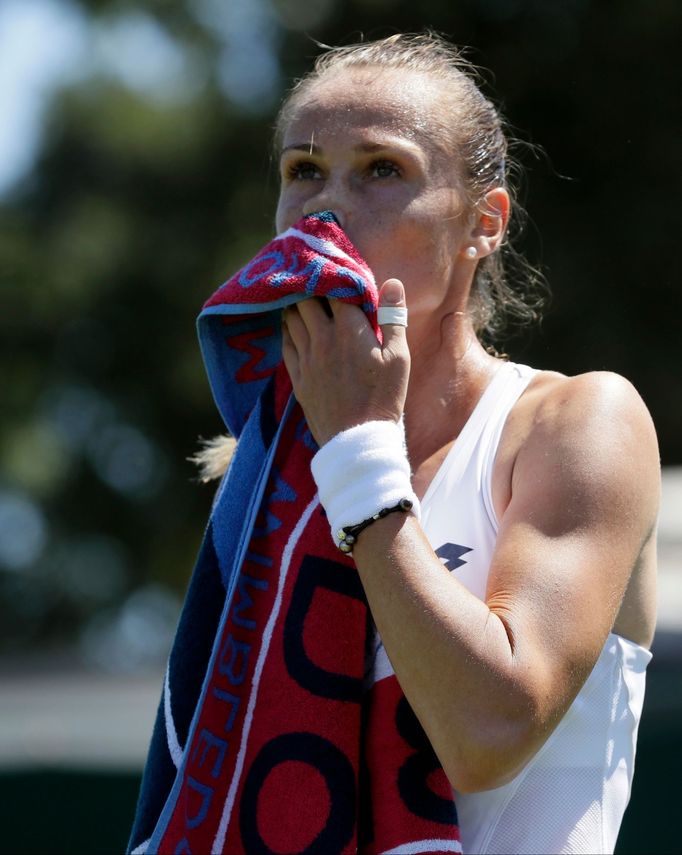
[(373, 147)]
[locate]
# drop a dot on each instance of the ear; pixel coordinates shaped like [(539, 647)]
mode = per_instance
[(490, 222)]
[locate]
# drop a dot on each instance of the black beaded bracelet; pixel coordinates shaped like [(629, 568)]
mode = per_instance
[(349, 533)]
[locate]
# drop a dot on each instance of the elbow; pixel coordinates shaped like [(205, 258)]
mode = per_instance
[(492, 754), (478, 779), (500, 734), (475, 778)]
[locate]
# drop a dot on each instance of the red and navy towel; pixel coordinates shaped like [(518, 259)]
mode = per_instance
[(268, 737)]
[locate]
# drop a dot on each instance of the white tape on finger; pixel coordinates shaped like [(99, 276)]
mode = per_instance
[(392, 315)]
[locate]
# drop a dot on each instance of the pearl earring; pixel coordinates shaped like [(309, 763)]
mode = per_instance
[(470, 252)]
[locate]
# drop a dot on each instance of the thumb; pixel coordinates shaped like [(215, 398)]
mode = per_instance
[(392, 314)]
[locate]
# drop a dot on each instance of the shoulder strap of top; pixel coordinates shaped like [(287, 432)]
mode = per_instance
[(517, 379), (476, 444)]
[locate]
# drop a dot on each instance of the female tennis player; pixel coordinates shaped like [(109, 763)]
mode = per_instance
[(515, 599)]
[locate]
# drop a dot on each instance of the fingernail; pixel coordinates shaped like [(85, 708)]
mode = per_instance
[(392, 292)]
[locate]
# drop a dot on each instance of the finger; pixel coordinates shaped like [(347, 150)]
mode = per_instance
[(296, 328), (290, 354), (342, 309), (350, 316), (313, 315), (392, 315)]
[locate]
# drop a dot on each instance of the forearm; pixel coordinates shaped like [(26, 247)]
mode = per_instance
[(453, 656)]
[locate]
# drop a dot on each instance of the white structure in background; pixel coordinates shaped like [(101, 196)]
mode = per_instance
[(670, 552)]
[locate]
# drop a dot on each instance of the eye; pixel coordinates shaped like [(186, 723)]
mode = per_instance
[(384, 169), (302, 171)]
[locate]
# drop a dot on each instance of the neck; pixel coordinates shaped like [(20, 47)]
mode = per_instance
[(450, 370)]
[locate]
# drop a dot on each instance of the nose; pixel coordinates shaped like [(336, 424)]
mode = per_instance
[(330, 197)]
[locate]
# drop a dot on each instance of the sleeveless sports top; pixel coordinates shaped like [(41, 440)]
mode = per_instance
[(571, 796)]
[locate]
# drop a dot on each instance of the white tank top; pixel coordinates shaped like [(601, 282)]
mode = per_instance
[(571, 796)]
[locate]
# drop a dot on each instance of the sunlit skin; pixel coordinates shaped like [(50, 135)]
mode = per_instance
[(575, 482)]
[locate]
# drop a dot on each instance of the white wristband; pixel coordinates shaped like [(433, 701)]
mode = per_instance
[(361, 471)]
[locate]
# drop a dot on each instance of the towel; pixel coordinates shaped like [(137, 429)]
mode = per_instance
[(268, 737)]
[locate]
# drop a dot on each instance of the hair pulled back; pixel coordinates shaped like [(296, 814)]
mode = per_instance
[(506, 289)]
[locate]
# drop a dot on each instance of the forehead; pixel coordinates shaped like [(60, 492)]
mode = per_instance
[(397, 101)]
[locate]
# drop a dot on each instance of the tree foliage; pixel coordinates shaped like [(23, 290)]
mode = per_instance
[(141, 203)]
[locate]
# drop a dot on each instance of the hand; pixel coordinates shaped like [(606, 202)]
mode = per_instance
[(341, 375)]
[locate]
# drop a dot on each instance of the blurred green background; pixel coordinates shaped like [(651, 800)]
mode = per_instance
[(135, 175)]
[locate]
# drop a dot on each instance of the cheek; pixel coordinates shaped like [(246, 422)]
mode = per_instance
[(420, 260), (279, 219), (441, 225), (424, 235), (419, 246), (284, 215), (291, 204)]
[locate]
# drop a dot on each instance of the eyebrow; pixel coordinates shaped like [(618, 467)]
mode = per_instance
[(313, 148), (308, 148)]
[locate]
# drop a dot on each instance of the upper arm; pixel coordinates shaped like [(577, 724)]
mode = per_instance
[(584, 500)]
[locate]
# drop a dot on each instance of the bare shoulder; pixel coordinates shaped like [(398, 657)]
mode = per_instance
[(592, 434), (558, 399), (596, 394), (597, 418)]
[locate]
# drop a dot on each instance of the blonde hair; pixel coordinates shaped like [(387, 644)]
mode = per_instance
[(214, 457)]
